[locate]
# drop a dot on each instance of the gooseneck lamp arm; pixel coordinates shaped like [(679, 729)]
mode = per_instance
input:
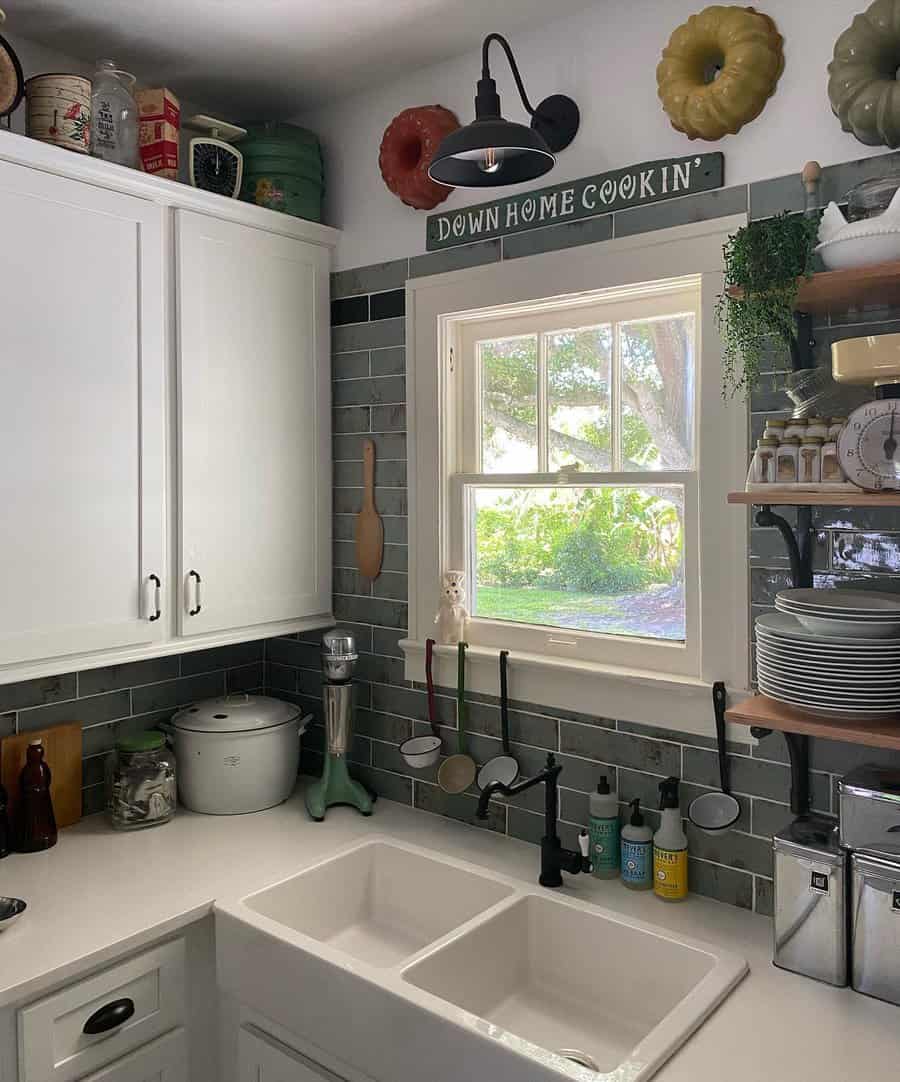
[(486, 75)]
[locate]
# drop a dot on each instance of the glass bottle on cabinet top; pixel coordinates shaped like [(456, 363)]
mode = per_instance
[(114, 115)]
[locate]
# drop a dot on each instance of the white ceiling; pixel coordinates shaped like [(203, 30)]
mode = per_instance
[(261, 59)]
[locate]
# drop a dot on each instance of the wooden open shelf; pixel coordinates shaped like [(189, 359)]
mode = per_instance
[(859, 287), (785, 496), (769, 714)]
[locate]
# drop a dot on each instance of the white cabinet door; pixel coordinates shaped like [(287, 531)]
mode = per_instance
[(163, 1060), (82, 385), (254, 426), (263, 1059)]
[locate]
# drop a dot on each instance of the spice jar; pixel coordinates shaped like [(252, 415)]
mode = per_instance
[(810, 460), (140, 782), (786, 460), (762, 468), (817, 426), (831, 471), (796, 426), (835, 427), (774, 429)]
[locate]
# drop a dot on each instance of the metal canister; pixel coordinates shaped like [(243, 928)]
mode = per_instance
[(811, 900), (875, 927), (58, 111)]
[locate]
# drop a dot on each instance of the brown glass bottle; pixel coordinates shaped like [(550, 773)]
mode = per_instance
[(36, 821)]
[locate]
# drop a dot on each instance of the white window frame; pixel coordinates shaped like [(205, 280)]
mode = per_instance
[(671, 685)]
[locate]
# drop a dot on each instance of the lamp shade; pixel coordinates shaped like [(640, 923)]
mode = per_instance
[(491, 152)]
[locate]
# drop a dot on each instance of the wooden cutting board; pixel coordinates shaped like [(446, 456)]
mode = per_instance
[(369, 527), (62, 753)]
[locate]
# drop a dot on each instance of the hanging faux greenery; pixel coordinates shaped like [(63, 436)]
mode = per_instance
[(763, 262)]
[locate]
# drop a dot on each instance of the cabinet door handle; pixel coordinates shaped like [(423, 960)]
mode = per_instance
[(195, 578), (155, 597), (109, 1016)]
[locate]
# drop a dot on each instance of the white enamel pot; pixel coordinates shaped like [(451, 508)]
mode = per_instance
[(236, 754)]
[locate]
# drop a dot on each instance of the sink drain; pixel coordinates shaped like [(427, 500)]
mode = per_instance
[(579, 1057)]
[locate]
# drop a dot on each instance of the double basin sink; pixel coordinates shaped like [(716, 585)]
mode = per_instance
[(537, 985)]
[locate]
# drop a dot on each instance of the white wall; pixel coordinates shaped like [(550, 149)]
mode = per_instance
[(606, 59)]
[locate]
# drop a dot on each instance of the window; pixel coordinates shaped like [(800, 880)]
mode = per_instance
[(602, 394), (572, 455)]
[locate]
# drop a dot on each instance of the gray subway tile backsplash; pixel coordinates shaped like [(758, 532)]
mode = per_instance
[(369, 394)]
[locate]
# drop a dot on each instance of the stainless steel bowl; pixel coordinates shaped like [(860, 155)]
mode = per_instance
[(10, 911)]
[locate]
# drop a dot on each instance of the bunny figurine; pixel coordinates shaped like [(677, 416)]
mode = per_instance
[(452, 615)]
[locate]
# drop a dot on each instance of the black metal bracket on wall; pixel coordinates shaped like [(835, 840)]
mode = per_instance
[(802, 343), (799, 545)]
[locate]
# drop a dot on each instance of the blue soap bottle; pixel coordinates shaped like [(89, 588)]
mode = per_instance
[(637, 851)]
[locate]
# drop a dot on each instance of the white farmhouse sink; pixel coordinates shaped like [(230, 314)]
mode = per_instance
[(436, 962), (577, 982), (379, 903)]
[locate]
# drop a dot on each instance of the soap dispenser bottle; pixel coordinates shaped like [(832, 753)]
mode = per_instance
[(637, 850), (670, 863), (604, 831)]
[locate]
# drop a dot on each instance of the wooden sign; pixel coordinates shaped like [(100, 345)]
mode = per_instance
[(634, 186)]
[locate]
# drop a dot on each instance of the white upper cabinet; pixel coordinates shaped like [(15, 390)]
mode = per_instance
[(165, 385), (254, 432), (82, 442)]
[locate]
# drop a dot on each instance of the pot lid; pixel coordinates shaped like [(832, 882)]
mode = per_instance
[(238, 713)]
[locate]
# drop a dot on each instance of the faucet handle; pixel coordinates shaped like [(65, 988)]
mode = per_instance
[(584, 844)]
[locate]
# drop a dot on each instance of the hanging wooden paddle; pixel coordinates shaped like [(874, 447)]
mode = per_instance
[(369, 527)]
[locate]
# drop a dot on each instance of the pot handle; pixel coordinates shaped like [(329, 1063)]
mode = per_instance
[(304, 724)]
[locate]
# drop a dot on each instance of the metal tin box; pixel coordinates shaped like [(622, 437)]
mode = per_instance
[(870, 811), (811, 900), (875, 927)]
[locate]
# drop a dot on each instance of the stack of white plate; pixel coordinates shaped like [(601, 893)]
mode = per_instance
[(854, 614), (835, 675)]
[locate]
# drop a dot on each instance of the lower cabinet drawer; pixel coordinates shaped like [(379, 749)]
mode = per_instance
[(87, 1025), (162, 1060)]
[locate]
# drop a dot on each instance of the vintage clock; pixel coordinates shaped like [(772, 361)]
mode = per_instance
[(869, 446)]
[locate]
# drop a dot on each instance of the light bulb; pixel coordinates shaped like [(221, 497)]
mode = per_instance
[(489, 162)]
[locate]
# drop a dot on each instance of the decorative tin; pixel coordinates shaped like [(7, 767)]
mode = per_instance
[(58, 110)]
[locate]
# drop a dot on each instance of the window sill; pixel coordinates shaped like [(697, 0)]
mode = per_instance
[(673, 702)]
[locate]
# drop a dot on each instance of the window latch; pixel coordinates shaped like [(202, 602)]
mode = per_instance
[(452, 363)]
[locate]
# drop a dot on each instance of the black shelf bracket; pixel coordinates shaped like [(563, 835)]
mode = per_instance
[(799, 545), (802, 342), (798, 753)]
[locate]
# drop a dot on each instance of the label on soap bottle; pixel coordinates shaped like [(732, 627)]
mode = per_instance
[(637, 862), (604, 834), (670, 873)]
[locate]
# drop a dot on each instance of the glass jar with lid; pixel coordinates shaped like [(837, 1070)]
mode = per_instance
[(114, 115), (140, 782)]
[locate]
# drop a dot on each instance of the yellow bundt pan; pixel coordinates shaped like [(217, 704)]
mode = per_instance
[(719, 70), (862, 78)]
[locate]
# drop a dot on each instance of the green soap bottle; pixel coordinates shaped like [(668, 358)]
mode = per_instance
[(603, 829)]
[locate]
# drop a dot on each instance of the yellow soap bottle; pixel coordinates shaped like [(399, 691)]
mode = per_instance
[(670, 860)]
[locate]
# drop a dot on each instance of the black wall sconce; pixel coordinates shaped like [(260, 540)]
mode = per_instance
[(491, 152)]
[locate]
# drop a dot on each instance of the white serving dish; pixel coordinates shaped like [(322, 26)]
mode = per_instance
[(845, 694), (842, 253), (830, 672), (870, 629), (824, 709), (855, 602), (787, 627), (781, 691)]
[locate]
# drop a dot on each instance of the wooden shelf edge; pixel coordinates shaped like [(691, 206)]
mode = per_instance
[(876, 284), (784, 497), (766, 713)]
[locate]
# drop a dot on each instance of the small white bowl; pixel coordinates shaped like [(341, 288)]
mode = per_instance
[(420, 752)]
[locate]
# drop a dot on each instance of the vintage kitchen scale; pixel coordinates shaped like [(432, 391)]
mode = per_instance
[(869, 444), (215, 165)]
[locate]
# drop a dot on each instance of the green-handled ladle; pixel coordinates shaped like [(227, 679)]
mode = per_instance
[(458, 772)]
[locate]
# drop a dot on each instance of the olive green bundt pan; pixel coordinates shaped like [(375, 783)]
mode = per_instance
[(862, 77)]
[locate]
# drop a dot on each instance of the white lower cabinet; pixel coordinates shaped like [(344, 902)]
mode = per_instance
[(262, 1058), (163, 1060)]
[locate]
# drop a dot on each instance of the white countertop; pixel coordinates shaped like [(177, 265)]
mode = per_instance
[(100, 893)]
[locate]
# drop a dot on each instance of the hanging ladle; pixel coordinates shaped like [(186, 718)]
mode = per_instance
[(503, 768), (421, 752), (458, 772), (717, 812)]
